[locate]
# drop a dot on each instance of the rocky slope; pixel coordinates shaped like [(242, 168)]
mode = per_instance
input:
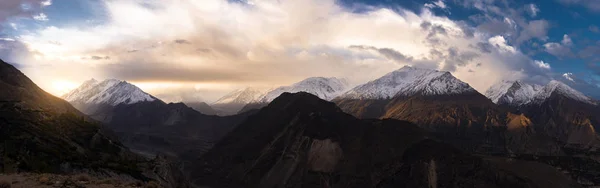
[(148, 125), (203, 108), (571, 119), (42, 133), (512, 93), (299, 140), (556, 110), (462, 117)]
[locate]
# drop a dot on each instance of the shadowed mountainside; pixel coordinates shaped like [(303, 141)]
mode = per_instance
[(299, 140)]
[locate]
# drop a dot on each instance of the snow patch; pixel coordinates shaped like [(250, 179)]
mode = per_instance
[(110, 92), (409, 81), (324, 88)]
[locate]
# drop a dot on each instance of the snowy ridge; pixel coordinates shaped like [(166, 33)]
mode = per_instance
[(242, 96), (496, 91), (514, 93), (409, 81), (324, 88), (562, 89), (110, 92)]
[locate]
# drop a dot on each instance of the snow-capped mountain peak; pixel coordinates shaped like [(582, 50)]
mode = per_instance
[(514, 93), (242, 96), (557, 87), (408, 81), (108, 92), (325, 88)]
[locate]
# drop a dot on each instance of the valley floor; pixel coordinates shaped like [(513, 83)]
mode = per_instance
[(32, 180)]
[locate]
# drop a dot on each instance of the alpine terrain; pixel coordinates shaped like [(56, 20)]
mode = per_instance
[(324, 88), (146, 124), (45, 134), (300, 140), (233, 102)]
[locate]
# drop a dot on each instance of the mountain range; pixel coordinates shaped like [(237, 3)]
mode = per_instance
[(148, 125), (497, 122), (240, 101), (299, 140), (412, 127)]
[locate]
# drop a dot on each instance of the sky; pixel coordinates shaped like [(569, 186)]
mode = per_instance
[(199, 50)]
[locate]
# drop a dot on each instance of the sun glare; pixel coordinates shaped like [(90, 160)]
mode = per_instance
[(61, 87)]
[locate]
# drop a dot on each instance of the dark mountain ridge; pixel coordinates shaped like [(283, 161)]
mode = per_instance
[(43, 134), (299, 140)]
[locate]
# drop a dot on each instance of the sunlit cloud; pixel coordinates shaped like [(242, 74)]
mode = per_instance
[(268, 43)]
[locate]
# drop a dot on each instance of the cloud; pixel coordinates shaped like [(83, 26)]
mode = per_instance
[(436, 4), (271, 42), (387, 52), (40, 17), (592, 5), (534, 29), (483, 47), (21, 8), (558, 50), (568, 76), (500, 43), (567, 40), (181, 41), (541, 64), (532, 9), (99, 58), (594, 29), (46, 3)]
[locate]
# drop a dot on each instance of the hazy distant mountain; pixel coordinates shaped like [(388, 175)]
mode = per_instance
[(300, 140), (233, 102), (324, 88), (202, 107)]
